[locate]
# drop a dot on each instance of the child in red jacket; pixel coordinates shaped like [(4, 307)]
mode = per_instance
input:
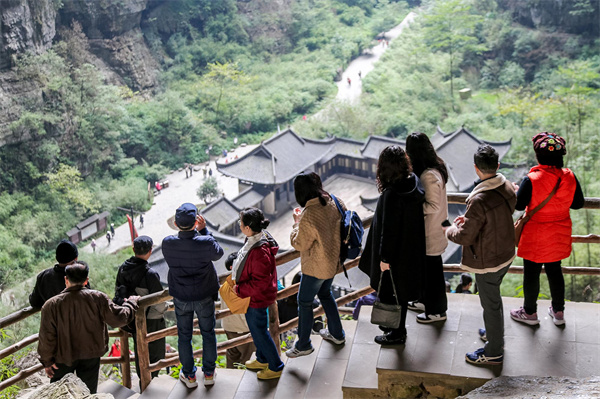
[(255, 276)]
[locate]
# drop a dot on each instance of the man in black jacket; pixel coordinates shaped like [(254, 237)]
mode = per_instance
[(51, 281), (136, 277)]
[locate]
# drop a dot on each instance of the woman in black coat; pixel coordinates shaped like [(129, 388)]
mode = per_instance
[(396, 240)]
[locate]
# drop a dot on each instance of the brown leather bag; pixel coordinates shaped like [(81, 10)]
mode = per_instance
[(524, 218)]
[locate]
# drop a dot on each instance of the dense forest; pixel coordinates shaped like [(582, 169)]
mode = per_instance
[(236, 69)]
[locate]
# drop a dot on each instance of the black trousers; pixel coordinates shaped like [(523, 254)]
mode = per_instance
[(434, 286), (531, 285), (86, 369), (156, 348)]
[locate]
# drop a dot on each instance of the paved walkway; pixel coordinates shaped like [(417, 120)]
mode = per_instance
[(180, 190), (365, 63)]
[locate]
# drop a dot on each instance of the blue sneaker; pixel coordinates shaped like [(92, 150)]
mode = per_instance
[(482, 334), (479, 357)]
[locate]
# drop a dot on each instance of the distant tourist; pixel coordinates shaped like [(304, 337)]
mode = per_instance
[(93, 244), (395, 258), (186, 167), (486, 232), (73, 334), (546, 237), (316, 234), (135, 277), (349, 81), (112, 230), (108, 236), (194, 285), (191, 168), (464, 286), (433, 174), (141, 220), (51, 281), (255, 275)]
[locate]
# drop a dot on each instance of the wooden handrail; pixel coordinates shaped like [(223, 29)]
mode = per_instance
[(275, 328)]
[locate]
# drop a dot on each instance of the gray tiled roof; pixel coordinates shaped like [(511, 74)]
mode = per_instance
[(375, 144), (247, 198), (457, 149), (221, 213)]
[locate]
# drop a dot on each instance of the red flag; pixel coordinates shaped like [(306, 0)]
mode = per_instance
[(132, 229)]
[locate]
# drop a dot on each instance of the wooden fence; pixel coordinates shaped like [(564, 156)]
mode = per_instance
[(172, 359)]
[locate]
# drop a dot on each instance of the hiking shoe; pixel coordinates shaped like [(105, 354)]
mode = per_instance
[(189, 382), (522, 316), (479, 357), (557, 317), (209, 378), (390, 339), (294, 352), (327, 335), (416, 305), (431, 318), (268, 374), (256, 365), (482, 334)]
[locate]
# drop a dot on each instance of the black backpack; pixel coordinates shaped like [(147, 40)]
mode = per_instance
[(122, 292), (351, 233)]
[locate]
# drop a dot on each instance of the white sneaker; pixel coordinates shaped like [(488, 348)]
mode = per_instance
[(416, 305), (327, 335), (189, 382), (291, 353), (209, 378)]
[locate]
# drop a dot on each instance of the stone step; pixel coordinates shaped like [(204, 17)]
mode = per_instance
[(297, 373), (226, 385), (360, 379), (330, 367), (159, 388), (116, 390)]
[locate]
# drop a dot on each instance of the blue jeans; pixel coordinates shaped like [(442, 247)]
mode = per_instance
[(205, 310), (309, 287), (266, 351)]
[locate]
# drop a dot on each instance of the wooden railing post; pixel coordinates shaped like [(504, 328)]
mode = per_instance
[(125, 362), (274, 325), (142, 348)]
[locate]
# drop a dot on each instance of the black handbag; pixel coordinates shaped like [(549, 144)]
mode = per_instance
[(383, 314)]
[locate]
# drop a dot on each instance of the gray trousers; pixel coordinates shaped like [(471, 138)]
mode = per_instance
[(493, 314)]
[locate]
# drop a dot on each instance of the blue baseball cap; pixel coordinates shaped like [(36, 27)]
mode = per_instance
[(185, 216)]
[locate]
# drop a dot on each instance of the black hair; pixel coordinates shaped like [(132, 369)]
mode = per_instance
[(229, 261), (308, 186), (77, 273), (393, 165), (550, 160), (465, 279), (422, 155), (254, 218), (486, 159)]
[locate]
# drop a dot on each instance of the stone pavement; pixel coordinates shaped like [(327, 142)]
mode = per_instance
[(180, 190)]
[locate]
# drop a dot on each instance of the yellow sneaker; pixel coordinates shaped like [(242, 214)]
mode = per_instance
[(268, 374), (256, 365)]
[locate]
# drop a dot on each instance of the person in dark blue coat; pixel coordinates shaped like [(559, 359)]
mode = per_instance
[(194, 285)]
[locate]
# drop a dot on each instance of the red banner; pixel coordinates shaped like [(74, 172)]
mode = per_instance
[(132, 229)]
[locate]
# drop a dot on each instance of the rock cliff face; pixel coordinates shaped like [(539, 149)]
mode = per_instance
[(25, 25), (561, 15), (117, 44)]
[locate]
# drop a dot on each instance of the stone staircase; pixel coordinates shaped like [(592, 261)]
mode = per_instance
[(431, 364)]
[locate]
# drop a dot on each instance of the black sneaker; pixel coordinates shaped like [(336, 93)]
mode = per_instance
[(389, 339)]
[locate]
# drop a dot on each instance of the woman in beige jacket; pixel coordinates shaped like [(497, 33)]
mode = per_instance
[(316, 234), (433, 174)]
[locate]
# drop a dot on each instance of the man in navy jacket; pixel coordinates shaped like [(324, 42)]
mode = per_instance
[(194, 285)]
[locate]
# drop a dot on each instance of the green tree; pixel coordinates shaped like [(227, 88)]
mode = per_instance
[(449, 27), (223, 77), (66, 182), (208, 190)]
